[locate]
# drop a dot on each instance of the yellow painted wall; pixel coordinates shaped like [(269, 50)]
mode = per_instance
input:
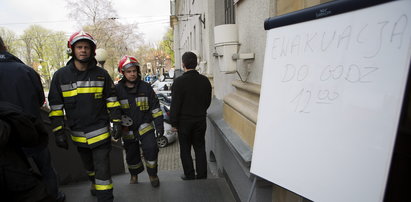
[(287, 6), (241, 125)]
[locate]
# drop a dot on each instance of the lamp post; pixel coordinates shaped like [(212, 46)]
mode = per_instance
[(101, 56)]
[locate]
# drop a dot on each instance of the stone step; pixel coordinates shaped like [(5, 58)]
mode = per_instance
[(171, 189)]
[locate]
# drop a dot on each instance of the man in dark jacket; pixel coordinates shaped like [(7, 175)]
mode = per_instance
[(87, 95), (141, 108), (21, 85), (191, 97), (17, 130)]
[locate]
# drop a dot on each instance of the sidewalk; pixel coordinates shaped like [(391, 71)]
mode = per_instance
[(169, 157), (171, 189)]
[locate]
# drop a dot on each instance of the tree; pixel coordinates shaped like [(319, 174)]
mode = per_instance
[(45, 51), (56, 52), (145, 56), (159, 57), (28, 43), (99, 18), (10, 39), (90, 12), (167, 45), (117, 40)]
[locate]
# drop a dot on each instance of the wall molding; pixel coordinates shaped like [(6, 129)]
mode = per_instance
[(245, 99)]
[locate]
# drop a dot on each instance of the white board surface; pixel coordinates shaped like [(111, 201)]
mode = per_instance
[(330, 102)]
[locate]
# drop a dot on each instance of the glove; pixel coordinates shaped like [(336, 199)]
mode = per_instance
[(116, 131), (61, 139), (160, 132)]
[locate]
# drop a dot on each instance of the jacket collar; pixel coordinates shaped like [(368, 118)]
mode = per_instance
[(92, 64), (191, 72), (122, 82), (8, 57)]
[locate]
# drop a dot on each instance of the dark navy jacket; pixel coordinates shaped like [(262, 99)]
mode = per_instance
[(141, 105), (20, 84), (88, 100)]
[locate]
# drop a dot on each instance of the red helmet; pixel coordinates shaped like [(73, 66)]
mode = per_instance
[(126, 62), (81, 35)]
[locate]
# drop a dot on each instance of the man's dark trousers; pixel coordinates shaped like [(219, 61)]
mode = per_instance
[(42, 159), (192, 133)]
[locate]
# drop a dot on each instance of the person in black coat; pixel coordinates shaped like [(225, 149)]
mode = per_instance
[(191, 97), (17, 130), (21, 85)]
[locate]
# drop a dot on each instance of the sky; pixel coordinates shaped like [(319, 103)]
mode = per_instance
[(152, 16)]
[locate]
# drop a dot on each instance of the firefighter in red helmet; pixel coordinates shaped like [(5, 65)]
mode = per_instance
[(140, 108), (85, 93)]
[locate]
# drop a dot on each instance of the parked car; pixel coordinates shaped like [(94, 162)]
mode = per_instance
[(166, 112), (168, 138), (165, 102), (162, 86), (164, 98)]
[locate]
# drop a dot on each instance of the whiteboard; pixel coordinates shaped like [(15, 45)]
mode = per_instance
[(331, 96)]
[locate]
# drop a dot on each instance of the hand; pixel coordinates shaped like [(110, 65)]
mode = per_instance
[(116, 131), (160, 132), (61, 139)]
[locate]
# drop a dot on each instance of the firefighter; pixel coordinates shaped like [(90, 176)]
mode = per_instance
[(140, 109), (85, 92)]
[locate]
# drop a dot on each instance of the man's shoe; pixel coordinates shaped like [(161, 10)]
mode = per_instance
[(134, 179), (183, 177), (93, 189), (155, 182)]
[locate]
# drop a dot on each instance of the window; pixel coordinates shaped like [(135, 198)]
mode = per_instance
[(229, 12)]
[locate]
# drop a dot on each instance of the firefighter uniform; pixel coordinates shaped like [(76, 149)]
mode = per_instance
[(142, 106), (86, 97)]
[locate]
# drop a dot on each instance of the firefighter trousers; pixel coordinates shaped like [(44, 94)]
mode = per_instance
[(150, 153), (96, 161)]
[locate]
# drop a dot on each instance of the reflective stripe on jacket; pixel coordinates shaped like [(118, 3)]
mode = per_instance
[(90, 139), (141, 105), (85, 97)]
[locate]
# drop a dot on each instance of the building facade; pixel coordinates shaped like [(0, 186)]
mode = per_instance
[(215, 30)]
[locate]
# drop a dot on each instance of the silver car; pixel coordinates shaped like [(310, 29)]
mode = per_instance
[(168, 137)]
